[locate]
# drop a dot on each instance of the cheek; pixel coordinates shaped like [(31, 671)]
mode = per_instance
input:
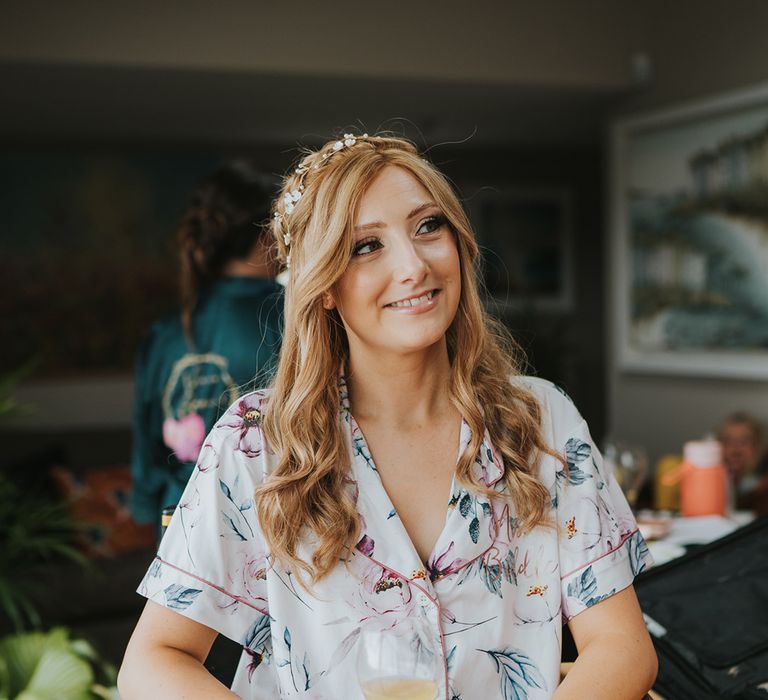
[(354, 292), (446, 260)]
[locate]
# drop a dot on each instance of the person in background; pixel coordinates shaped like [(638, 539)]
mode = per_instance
[(741, 437), (225, 336), (399, 470)]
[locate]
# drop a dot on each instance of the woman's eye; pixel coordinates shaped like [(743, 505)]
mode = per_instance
[(432, 224), (366, 247)]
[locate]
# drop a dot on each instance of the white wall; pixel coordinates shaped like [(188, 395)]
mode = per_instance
[(699, 49)]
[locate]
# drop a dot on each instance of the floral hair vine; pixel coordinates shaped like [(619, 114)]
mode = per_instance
[(291, 197)]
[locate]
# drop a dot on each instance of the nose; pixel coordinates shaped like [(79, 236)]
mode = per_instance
[(410, 265)]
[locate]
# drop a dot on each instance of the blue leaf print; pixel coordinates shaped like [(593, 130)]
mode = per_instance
[(584, 588), (258, 636), (576, 451), (178, 597), (562, 391), (465, 504), (486, 508), (508, 567), (392, 514), (246, 505), (450, 658), (362, 450), (449, 661), (577, 476), (474, 529), (305, 669), (517, 673), (288, 662), (233, 526), (638, 552), (229, 520), (155, 569), (491, 577)]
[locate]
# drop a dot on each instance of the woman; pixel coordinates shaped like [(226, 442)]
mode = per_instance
[(388, 371), (741, 437), (193, 362)]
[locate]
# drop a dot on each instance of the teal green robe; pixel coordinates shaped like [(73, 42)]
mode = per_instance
[(237, 328)]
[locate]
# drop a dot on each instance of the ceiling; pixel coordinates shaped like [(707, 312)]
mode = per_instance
[(66, 103)]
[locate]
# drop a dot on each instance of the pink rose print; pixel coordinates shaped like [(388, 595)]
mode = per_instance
[(254, 575), (208, 459), (382, 597), (246, 417), (365, 545), (184, 436)]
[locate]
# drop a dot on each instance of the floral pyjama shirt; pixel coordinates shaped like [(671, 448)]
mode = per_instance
[(493, 598)]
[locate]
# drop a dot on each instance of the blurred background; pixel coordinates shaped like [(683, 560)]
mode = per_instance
[(112, 112)]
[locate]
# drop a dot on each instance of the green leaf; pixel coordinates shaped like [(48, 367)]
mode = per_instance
[(43, 666), (61, 675)]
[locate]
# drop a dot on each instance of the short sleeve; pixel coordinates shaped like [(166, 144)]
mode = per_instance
[(211, 564), (600, 547)]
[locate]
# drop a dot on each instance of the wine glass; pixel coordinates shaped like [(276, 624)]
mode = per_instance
[(398, 662), (630, 468)]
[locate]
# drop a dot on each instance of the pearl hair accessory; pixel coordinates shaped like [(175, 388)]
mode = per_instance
[(293, 196)]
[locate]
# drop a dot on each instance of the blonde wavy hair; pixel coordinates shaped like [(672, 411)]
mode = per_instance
[(309, 492)]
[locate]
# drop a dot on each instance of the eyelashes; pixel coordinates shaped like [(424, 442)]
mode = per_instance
[(433, 223), (372, 243), (366, 246)]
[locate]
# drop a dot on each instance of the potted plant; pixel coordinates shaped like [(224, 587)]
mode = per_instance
[(51, 666)]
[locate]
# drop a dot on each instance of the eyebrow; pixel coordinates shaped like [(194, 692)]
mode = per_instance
[(411, 215)]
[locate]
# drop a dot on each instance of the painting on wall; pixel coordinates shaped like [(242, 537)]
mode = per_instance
[(524, 238), (689, 238), (87, 261)]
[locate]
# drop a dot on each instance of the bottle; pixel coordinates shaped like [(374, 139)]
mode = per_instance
[(165, 519), (666, 486), (704, 480)]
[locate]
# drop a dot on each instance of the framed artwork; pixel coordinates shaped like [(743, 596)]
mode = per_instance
[(525, 238), (689, 238)]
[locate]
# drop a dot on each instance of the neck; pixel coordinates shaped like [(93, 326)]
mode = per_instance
[(405, 390)]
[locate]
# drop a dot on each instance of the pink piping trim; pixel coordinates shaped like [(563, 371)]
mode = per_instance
[(610, 551), (214, 586)]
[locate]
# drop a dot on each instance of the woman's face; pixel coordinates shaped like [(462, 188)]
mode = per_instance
[(401, 289), (739, 448)]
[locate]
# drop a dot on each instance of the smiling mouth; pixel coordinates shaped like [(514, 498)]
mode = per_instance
[(415, 301)]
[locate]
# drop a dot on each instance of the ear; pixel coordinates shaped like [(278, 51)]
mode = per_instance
[(328, 301)]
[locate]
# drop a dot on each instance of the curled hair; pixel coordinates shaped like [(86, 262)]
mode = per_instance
[(309, 493), (224, 220)]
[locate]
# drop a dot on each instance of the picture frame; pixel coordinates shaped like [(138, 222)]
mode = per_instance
[(524, 234), (689, 238)]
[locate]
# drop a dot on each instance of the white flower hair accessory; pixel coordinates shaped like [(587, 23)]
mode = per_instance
[(291, 197)]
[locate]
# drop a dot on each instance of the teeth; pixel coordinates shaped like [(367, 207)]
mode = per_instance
[(414, 302)]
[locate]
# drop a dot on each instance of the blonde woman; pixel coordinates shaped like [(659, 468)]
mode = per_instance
[(399, 467)]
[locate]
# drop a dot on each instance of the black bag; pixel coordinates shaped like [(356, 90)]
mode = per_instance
[(707, 613)]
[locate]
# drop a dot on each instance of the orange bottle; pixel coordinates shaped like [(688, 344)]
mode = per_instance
[(704, 480)]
